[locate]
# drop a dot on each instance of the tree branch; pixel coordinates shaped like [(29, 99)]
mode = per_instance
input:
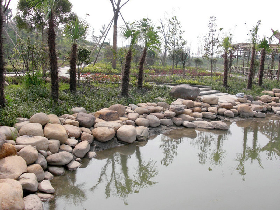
[(113, 5), (124, 4), (6, 6)]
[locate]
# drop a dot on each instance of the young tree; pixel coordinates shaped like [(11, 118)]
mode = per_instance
[(133, 34), (116, 9), (75, 29), (175, 38), (83, 59), (226, 46), (211, 44), (264, 46), (2, 79), (149, 37), (254, 39)]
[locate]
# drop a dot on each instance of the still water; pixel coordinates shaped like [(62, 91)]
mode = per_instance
[(185, 169)]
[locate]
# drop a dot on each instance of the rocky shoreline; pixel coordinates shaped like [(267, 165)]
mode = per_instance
[(37, 149)]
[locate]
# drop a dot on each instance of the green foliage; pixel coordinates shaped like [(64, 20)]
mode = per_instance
[(76, 29), (24, 102), (264, 44), (32, 79)]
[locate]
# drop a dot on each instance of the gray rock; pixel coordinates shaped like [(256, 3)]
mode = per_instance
[(60, 159), (11, 194), (212, 100), (209, 115), (54, 146), (78, 110), (31, 129), (142, 110), (45, 196), (142, 122), (40, 142), (81, 149), (245, 110), (188, 103), (229, 113), (259, 115), (9, 132), (177, 121), (132, 116), (153, 121), (42, 161), (85, 120), (219, 125), (127, 133), (66, 148), (29, 154), (33, 202), (73, 131), (48, 175), (142, 133), (178, 109), (46, 187), (120, 109), (189, 124), (37, 170), (166, 122), (41, 118), (73, 165), (185, 117), (72, 142), (20, 124), (185, 91), (29, 182), (110, 124), (57, 171), (203, 124), (163, 104), (169, 114)]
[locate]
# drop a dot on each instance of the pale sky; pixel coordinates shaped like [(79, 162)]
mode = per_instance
[(194, 15)]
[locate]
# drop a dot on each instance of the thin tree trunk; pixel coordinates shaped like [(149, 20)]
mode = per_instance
[(2, 79), (73, 83), (261, 67), (141, 68), (225, 68), (115, 32), (251, 73), (125, 78), (53, 58), (278, 72)]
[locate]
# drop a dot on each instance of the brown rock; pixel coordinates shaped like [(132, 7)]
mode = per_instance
[(107, 115), (31, 129), (120, 109), (41, 118), (37, 170), (73, 131), (55, 131), (7, 150), (12, 167), (103, 134)]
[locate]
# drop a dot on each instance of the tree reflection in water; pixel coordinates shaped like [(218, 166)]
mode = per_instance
[(119, 179)]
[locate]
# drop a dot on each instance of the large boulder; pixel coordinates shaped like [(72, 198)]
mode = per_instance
[(10, 133), (11, 195), (103, 134), (7, 150), (185, 91), (41, 118), (203, 124), (33, 202), (40, 142), (31, 129), (219, 125), (55, 131), (29, 154), (73, 131), (54, 119), (59, 159), (142, 122), (81, 149), (132, 116), (85, 120), (12, 167), (266, 98), (127, 133), (120, 109), (29, 182)]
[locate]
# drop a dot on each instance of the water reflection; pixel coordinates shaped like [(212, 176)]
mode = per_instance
[(126, 171)]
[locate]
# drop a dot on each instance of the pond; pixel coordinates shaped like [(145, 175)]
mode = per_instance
[(184, 169)]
